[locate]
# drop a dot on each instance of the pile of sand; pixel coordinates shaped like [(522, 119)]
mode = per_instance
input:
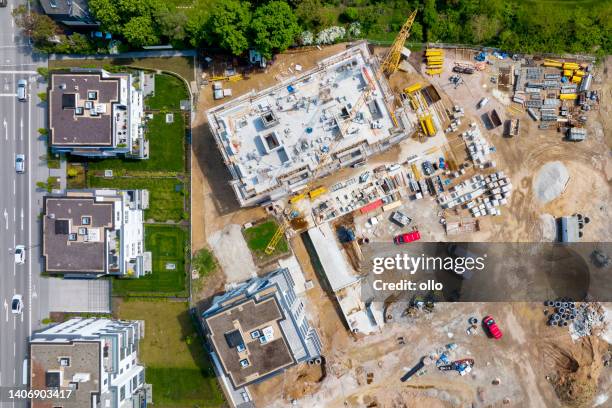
[(550, 182), (579, 366)]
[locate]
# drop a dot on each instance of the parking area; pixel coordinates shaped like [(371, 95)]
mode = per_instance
[(79, 296)]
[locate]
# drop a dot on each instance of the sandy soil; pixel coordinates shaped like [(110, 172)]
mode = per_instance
[(588, 162), (531, 362), (214, 204), (521, 360)]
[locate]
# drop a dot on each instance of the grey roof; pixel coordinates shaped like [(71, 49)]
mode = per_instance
[(63, 215), (84, 360), (264, 359), (68, 91), (66, 8)]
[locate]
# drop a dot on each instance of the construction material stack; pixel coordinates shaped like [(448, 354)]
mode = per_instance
[(434, 58)]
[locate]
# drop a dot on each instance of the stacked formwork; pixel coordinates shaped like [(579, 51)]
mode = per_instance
[(434, 58)]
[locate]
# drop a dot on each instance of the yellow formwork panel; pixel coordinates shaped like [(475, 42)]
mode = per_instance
[(579, 73), (435, 65), (568, 97), (570, 65), (431, 129), (413, 88), (433, 51), (434, 71), (553, 64), (435, 58), (576, 79), (297, 198), (317, 192), (567, 72), (415, 171)]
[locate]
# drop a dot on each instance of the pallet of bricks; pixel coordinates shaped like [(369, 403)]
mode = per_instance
[(434, 59)]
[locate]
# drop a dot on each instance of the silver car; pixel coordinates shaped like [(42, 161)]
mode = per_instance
[(22, 90), (20, 163)]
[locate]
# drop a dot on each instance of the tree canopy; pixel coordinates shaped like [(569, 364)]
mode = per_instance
[(274, 28), (228, 25)]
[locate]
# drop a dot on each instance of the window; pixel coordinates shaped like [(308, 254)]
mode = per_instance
[(141, 377), (122, 393), (72, 237), (85, 220), (135, 382), (64, 361)]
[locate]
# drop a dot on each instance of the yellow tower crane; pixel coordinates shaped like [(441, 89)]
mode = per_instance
[(388, 67)]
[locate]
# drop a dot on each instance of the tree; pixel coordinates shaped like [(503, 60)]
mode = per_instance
[(274, 28), (228, 25), (172, 25), (484, 28), (37, 26), (105, 11), (72, 172), (349, 15), (430, 19), (139, 31)]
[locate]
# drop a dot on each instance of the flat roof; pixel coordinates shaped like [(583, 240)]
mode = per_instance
[(278, 136), (338, 271), (75, 364), (235, 325), (81, 109), (74, 230)]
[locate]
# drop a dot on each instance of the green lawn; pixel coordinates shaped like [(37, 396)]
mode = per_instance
[(258, 236), (175, 360), (169, 91), (167, 245), (182, 66), (165, 203), (166, 149)]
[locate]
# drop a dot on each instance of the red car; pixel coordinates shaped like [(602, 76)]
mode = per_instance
[(406, 238), (492, 327)]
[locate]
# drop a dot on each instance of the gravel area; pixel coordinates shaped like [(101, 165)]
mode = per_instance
[(550, 182)]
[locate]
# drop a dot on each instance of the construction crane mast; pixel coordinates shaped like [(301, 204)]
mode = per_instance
[(388, 67), (391, 62)]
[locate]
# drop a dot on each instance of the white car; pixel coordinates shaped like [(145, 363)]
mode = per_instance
[(22, 91), (17, 304), (20, 254), (20, 163)]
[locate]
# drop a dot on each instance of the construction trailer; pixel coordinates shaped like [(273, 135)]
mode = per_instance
[(511, 127), (576, 134)]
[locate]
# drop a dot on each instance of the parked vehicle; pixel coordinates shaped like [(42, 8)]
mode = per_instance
[(17, 304), (492, 327), (3, 3), (427, 168), (22, 90), (407, 237), (400, 218), (20, 163), (20, 254), (483, 102)]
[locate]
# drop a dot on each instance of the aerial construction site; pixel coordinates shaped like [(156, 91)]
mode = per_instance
[(334, 152)]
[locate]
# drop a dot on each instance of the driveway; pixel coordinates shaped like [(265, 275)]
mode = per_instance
[(79, 295)]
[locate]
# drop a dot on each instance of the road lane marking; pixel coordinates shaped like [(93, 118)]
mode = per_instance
[(21, 130), (17, 72), (5, 124), (11, 95), (6, 309), (22, 219), (30, 215), (14, 187), (6, 218)]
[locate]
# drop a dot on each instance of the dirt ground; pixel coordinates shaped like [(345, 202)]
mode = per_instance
[(529, 353), (532, 362), (588, 191)]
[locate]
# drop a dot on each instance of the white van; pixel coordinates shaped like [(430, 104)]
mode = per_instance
[(22, 90), (483, 103)]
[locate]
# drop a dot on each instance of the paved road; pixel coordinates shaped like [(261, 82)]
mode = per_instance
[(20, 203)]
